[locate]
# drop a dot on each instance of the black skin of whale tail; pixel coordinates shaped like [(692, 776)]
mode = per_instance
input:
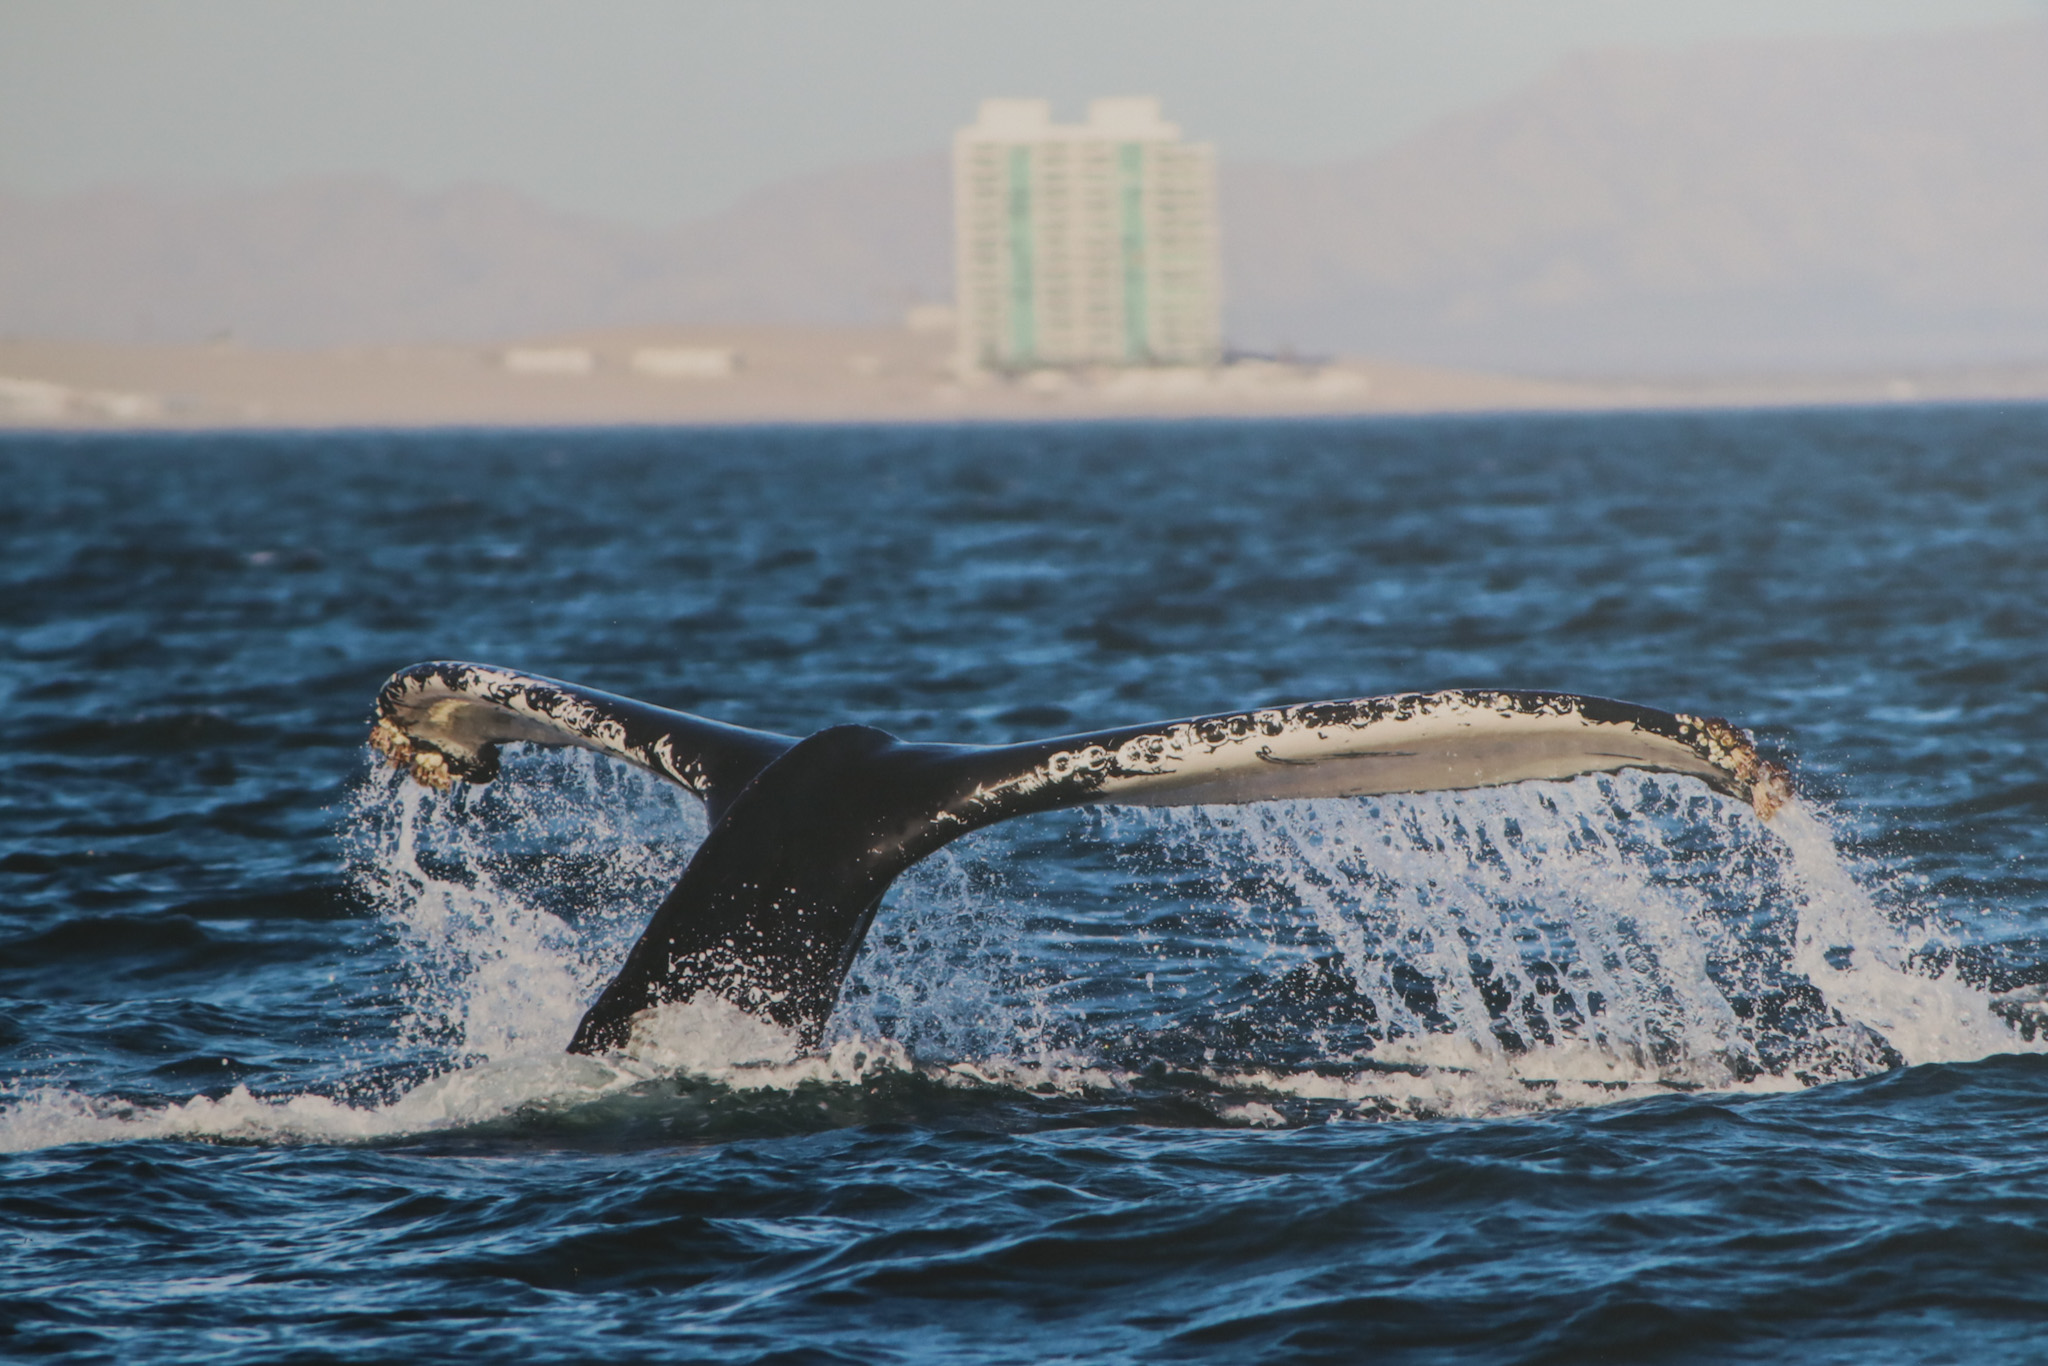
[(807, 836), (775, 904)]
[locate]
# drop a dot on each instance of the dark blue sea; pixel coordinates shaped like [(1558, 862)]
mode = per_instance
[(1605, 1070)]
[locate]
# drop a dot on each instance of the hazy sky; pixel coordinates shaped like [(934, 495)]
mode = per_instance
[(657, 109)]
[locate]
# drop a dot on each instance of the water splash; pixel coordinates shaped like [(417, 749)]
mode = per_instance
[(514, 901), (1659, 926), (1456, 954), (1438, 953), (949, 970), (1863, 962)]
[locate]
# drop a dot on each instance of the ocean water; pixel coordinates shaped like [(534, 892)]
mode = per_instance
[(1598, 1070)]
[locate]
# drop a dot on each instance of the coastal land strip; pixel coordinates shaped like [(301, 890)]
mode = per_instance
[(763, 375)]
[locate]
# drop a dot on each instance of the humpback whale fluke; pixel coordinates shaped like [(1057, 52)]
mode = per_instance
[(808, 834)]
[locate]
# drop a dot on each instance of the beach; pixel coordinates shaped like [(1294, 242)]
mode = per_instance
[(776, 375)]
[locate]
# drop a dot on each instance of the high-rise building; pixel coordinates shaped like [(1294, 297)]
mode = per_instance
[(1083, 244)]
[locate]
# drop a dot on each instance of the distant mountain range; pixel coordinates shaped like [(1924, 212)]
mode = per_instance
[(1807, 205), (365, 260), (1811, 205)]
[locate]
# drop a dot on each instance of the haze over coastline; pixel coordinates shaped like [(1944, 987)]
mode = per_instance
[(1794, 208)]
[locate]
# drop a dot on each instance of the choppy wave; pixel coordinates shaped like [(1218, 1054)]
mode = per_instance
[(1463, 954)]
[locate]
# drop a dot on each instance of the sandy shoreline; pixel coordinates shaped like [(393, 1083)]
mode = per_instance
[(752, 375)]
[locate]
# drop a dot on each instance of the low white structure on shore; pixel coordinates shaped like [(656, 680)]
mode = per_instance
[(686, 362), (550, 360), (41, 400)]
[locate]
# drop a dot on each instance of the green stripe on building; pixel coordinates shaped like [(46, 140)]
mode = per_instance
[(1131, 183), (1023, 319)]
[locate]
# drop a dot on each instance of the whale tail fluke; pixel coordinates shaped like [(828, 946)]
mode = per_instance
[(808, 835), (444, 721)]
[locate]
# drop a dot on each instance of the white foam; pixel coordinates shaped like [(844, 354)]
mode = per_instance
[(467, 1096), (709, 1037)]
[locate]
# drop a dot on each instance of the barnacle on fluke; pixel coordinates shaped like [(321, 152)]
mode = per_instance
[(1732, 751), (808, 834)]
